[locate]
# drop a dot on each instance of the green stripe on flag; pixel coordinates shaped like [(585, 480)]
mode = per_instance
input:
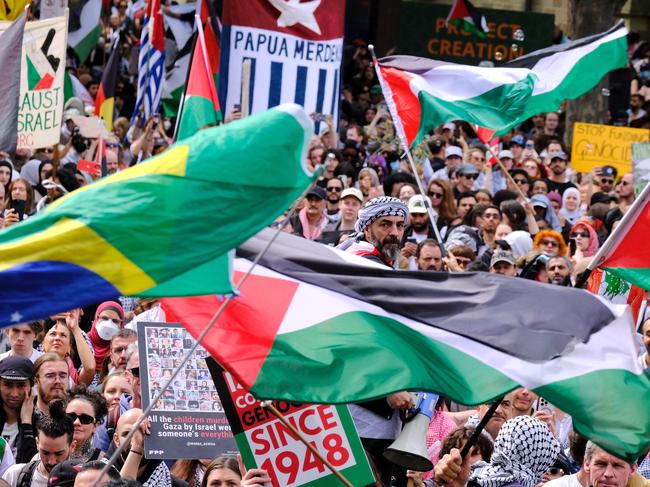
[(33, 77), (640, 276), (85, 46), (198, 112)]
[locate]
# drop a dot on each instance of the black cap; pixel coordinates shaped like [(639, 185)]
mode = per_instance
[(63, 474), (16, 367), (609, 171), (318, 192)]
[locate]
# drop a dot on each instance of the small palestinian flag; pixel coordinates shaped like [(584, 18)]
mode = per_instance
[(105, 100), (468, 18)]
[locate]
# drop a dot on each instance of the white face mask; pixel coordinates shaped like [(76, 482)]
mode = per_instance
[(106, 329)]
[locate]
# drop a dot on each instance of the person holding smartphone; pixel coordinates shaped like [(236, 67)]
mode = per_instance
[(20, 202)]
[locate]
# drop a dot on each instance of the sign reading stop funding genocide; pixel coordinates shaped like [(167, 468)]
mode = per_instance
[(189, 420), (40, 109), (264, 442)]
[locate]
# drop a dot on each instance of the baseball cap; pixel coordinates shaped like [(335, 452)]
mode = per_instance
[(64, 474), (502, 256), (466, 169), (416, 204), (518, 139), (558, 155), (506, 153), (318, 192), (453, 150), (16, 367), (609, 171), (354, 192)]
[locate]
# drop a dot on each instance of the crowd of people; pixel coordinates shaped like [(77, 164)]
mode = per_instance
[(70, 389)]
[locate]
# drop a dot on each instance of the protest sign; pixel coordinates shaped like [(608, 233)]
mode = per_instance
[(640, 165), (189, 421), (41, 82), (597, 145), (264, 442), (53, 8)]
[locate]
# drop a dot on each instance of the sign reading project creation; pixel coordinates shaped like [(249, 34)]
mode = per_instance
[(40, 109), (294, 49), (189, 420), (423, 32), (596, 145), (265, 442)]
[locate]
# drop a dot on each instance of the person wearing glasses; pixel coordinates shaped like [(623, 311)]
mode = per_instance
[(333, 189), (467, 175), (86, 409), (607, 178), (441, 194), (550, 243), (586, 240), (625, 192), (116, 360)]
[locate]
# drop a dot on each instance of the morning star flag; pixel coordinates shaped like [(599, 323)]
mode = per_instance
[(84, 27), (11, 60), (295, 51), (426, 92), (626, 253), (200, 104), (172, 223), (468, 18), (337, 328), (151, 62)]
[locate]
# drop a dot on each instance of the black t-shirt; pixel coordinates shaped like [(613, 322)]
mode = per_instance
[(559, 187)]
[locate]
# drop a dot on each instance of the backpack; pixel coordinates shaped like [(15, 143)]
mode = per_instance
[(26, 474)]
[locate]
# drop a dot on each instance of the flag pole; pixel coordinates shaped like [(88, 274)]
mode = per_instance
[(479, 428), (399, 129), (269, 405), (208, 327), (187, 80), (506, 173)]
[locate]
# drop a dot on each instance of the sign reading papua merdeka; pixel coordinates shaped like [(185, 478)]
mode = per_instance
[(189, 420), (265, 442), (295, 51), (40, 108)]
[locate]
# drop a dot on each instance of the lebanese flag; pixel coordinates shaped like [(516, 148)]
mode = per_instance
[(200, 102), (468, 18), (616, 290), (626, 253), (315, 324)]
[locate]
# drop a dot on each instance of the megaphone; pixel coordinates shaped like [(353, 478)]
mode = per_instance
[(409, 450)]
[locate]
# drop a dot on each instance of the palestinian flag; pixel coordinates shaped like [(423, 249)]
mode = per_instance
[(425, 93), (105, 100), (72, 87), (468, 18), (175, 80), (200, 104), (313, 324), (626, 253), (84, 28)]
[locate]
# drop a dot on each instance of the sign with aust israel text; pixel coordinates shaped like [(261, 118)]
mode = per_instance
[(295, 51)]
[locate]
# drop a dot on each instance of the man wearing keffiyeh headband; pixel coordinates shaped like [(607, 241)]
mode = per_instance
[(523, 450), (379, 230)]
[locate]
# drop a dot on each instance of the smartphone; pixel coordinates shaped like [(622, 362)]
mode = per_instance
[(236, 107), (412, 240), (319, 117), (19, 206), (572, 245), (457, 133)]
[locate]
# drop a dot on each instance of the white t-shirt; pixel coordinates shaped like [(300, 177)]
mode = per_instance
[(565, 481), (12, 474), (10, 435), (35, 354)]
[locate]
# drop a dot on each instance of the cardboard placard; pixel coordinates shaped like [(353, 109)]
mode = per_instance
[(189, 422), (596, 145), (640, 165), (264, 442)]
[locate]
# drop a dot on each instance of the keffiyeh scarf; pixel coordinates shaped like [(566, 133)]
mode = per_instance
[(523, 450)]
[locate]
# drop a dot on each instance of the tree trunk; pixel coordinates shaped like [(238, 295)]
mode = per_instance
[(588, 17)]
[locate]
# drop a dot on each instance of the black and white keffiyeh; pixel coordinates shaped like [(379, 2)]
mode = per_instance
[(378, 207), (160, 477), (523, 450)]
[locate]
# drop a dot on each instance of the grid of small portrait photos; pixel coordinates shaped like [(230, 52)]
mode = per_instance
[(193, 388)]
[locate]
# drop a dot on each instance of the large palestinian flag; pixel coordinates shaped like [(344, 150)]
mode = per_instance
[(313, 324), (425, 93), (626, 253)]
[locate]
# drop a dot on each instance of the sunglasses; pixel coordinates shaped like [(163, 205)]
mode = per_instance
[(335, 189), (549, 243), (607, 180), (83, 418), (463, 261), (470, 176), (520, 181), (625, 183), (433, 194), (580, 234)]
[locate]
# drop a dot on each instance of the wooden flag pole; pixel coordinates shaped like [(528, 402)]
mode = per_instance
[(245, 88), (269, 405)]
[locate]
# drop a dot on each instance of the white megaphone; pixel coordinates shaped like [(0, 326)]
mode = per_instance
[(409, 450)]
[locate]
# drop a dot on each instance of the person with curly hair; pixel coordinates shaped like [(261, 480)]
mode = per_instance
[(86, 409)]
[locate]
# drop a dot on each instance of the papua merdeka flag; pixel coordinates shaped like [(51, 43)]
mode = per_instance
[(295, 52), (425, 93), (314, 324), (464, 15)]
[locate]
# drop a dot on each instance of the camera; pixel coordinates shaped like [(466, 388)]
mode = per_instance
[(78, 142)]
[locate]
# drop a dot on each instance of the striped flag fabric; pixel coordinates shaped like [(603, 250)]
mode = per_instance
[(10, 60), (105, 99), (425, 93), (295, 52), (72, 87), (84, 28), (467, 17), (338, 328), (151, 62), (185, 203)]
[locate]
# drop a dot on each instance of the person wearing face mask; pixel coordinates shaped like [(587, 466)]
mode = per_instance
[(109, 319)]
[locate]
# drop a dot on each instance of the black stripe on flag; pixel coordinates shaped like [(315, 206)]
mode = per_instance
[(526, 319)]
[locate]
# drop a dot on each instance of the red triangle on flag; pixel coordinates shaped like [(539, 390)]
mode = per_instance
[(201, 80), (245, 332)]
